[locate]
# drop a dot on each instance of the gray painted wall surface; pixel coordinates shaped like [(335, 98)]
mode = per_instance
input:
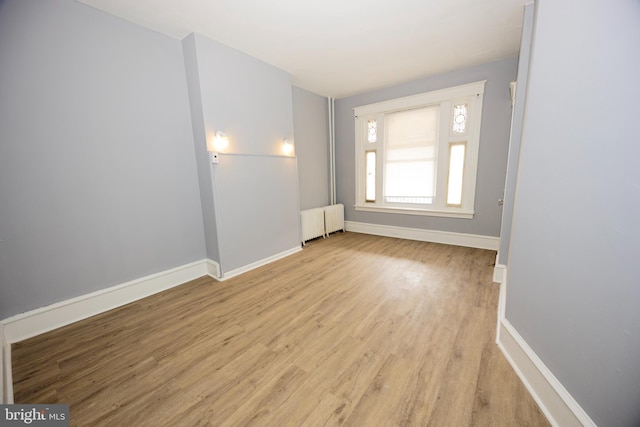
[(494, 141), (574, 275), (258, 205), (97, 173), (516, 133), (310, 125), (203, 163), (246, 98), (255, 188)]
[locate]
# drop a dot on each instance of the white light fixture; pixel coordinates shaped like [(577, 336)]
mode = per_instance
[(221, 141), (287, 146), (218, 143)]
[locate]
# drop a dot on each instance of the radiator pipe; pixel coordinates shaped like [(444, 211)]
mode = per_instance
[(332, 150)]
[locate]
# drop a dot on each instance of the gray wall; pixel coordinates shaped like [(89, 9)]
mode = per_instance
[(494, 141), (516, 133), (255, 187), (573, 271), (97, 173), (258, 208), (310, 124), (203, 162)]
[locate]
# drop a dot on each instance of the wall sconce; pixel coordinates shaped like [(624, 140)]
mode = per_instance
[(220, 142), (287, 146)]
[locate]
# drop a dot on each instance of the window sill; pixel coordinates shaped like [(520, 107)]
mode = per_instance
[(459, 213)]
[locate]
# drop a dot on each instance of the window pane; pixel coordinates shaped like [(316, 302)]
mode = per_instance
[(456, 174), (460, 113), (370, 182), (372, 132), (411, 155)]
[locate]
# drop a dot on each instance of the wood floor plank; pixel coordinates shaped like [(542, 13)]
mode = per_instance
[(325, 413), (457, 389), (310, 394), (259, 409), (383, 395), (353, 330)]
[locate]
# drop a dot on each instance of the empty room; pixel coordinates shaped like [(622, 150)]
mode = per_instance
[(291, 213)]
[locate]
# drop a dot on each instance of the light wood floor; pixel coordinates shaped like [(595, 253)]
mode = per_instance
[(354, 330)]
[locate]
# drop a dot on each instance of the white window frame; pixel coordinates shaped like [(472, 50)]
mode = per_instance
[(472, 94)]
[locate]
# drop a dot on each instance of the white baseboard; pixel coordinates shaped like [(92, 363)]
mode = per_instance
[(554, 400), (499, 273), (259, 263), (7, 373), (44, 319), (502, 296), (434, 236), (213, 268), (3, 368)]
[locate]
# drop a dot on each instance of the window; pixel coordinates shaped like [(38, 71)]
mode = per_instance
[(418, 155), (410, 155), (370, 183)]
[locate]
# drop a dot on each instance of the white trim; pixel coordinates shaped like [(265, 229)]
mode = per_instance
[(7, 386), (3, 369), (44, 319), (499, 272), (422, 98), (554, 400), (502, 300), (259, 263), (435, 236), (414, 211), (6, 377), (443, 99), (213, 268)]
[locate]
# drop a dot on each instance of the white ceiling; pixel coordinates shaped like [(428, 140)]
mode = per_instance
[(342, 47)]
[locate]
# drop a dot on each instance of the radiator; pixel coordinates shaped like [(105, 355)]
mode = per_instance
[(312, 222), (333, 218), (321, 221)]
